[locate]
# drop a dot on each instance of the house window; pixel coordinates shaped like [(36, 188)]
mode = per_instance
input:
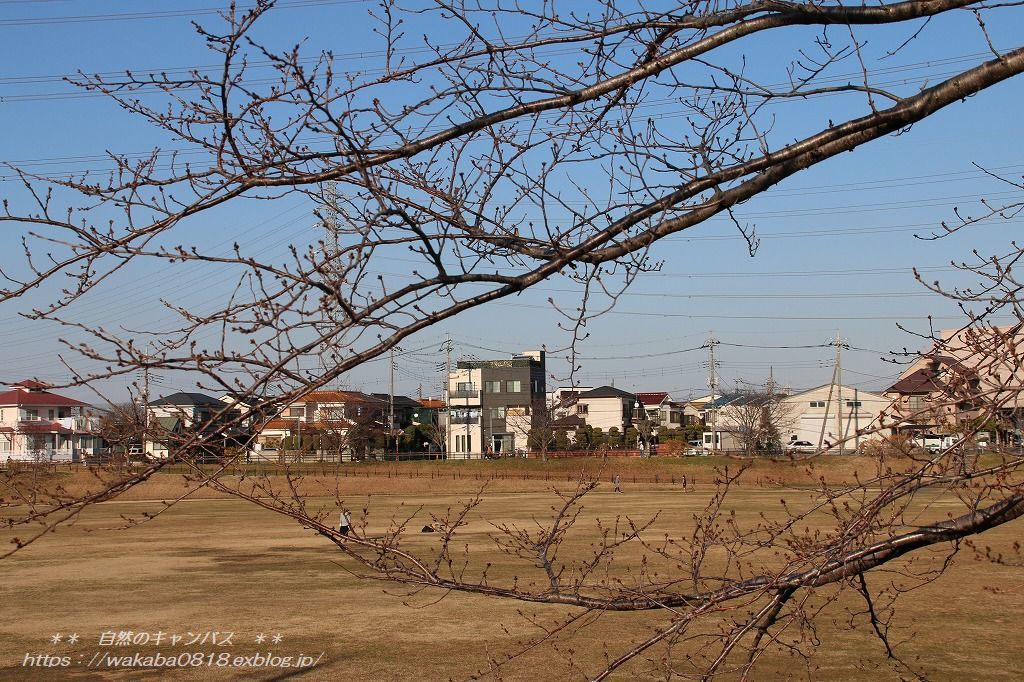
[(464, 386), (675, 418), (582, 408), (50, 414), (915, 402), (817, 403), (332, 413), (492, 387), (497, 413), (854, 403), (296, 411), (513, 386)]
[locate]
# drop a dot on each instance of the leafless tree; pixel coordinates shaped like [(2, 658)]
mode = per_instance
[(437, 433), (758, 418), (124, 425), (469, 159)]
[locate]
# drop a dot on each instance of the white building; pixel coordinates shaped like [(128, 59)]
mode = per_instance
[(831, 414), (606, 407), (493, 404), (37, 425)]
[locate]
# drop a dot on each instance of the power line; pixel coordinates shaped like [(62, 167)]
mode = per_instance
[(162, 14)]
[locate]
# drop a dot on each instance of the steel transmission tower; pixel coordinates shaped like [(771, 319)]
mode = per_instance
[(331, 270)]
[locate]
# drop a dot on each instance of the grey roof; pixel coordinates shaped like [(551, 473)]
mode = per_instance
[(606, 392), (571, 422), (182, 398), (400, 400)]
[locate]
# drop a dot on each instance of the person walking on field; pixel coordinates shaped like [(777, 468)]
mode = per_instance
[(617, 482), (345, 523), (684, 482)]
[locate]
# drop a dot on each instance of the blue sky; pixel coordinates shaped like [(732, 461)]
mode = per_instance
[(837, 241)]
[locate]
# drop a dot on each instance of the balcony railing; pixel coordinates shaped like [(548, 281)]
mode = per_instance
[(465, 394), (465, 420)]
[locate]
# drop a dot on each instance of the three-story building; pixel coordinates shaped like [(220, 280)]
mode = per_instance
[(492, 404)]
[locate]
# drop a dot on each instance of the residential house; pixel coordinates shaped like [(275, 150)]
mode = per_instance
[(39, 425), (492, 404), (330, 414), (966, 373), (562, 401), (606, 407), (429, 412), (659, 409), (404, 407), (176, 417)]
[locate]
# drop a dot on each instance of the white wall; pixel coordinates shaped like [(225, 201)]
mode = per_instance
[(807, 420), (603, 413)]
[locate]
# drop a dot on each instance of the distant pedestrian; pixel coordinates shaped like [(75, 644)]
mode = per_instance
[(617, 482), (684, 481), (345, 523)]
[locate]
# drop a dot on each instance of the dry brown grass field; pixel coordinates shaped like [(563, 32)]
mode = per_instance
[(216, 564)]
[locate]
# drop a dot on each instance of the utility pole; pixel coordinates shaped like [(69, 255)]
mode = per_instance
[(145, 391), (713, 385), (446, 394), (391, 401), (839, 392), (145, 396)]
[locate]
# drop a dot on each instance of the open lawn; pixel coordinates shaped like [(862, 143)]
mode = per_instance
[(219, 565)]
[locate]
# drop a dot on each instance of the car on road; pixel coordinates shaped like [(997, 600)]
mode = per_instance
[(799, 446)]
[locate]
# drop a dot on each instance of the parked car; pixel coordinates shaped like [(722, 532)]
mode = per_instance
[(797, 446)]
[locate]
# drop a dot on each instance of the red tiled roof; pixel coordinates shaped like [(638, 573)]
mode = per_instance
[(30, 383), (655, 398), (432, 404), (23, 397), (277, 424)]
